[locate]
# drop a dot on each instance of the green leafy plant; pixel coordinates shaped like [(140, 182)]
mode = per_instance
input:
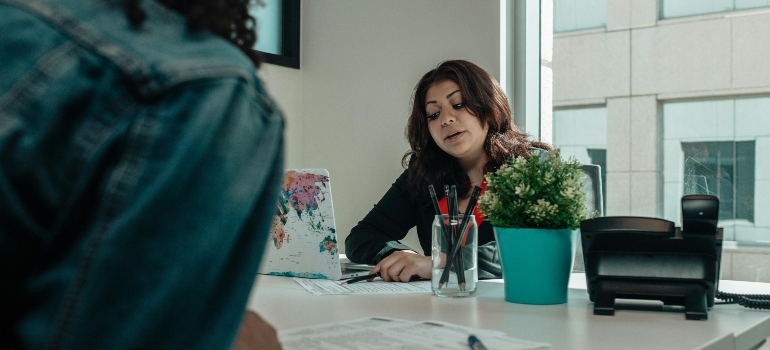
[(542, 192)]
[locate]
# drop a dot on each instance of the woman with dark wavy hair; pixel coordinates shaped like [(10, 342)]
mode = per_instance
[(460, 128), (140, 160)]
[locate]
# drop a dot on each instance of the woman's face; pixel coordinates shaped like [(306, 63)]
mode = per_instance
[(454, 129)]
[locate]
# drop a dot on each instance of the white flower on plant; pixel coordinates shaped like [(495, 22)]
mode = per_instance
[(522, 190), (507, 171), (541, 210), (488, 200), (519, 164), (548, 178)]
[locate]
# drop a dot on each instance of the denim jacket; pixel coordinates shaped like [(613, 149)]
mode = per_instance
[(139, 170)]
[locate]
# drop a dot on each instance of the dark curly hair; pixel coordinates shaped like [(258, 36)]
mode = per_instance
[(427, 163), (229, 19)]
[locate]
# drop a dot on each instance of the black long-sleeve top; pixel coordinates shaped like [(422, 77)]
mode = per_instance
[(378, 234)]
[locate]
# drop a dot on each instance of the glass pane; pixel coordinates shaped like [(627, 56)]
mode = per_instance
[(750, 4), (744, 174), (582, 133), (752, 118), (709, 168), (269, 26), (715, 147), (571, 15), (575, 131), (683, 8)]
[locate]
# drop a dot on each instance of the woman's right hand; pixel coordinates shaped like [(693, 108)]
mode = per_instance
[(403, 266)]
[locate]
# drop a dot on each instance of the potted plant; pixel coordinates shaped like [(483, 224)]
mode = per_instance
[(535, 206)]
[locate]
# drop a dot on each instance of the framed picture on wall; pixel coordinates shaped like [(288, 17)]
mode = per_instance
[(278, 31)]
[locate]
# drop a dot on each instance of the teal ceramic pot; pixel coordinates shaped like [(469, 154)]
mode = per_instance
[(536, 263)]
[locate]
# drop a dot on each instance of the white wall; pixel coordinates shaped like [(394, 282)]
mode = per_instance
[(348, 104), (285, 86)]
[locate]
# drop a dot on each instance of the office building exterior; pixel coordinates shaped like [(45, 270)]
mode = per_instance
[(671, 97)]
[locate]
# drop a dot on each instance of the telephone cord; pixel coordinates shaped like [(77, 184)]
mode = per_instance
[(752, 301)]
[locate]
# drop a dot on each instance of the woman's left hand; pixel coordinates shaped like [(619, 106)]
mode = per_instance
[(402, 266)]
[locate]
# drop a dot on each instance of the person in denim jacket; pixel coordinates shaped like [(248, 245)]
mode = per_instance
[(140, 159)]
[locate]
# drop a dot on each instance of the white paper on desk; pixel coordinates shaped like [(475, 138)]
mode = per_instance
[(329, 287), (387, 333), (493, 339)]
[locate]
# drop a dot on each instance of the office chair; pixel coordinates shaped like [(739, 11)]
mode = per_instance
[(592, 187)]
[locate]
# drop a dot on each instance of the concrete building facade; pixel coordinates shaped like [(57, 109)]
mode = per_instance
[(663, 87)]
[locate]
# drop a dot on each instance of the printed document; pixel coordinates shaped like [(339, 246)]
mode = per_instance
[(377, 333), (329, 287)]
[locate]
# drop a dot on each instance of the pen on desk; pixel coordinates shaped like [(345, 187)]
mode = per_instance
[(360, 278), (475, 343)]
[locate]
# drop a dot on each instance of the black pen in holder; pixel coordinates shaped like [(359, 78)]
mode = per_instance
[(459, 252), (457, 231), (449, 278)]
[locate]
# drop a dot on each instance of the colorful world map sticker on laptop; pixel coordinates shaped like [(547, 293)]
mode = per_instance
[(303, 236)]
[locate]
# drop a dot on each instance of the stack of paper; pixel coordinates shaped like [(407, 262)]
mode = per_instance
[(388, 333)]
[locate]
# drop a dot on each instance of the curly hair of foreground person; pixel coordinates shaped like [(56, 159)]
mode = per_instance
[(229, 19)]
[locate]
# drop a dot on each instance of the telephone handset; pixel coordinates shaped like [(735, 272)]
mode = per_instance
[(649, 258)]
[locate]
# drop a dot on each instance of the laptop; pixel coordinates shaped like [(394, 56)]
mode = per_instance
[(303, 235)]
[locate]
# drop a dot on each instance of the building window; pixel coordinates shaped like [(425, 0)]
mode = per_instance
[(687, 8), (724, 169), (582, 133), (573, 15), (715, 147)]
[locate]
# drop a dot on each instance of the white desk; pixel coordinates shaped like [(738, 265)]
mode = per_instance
[(285, 304)]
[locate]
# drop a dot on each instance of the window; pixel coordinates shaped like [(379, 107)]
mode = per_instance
[(572, 15), (715, 147), (685, 8), (724, 169), (582, 133)]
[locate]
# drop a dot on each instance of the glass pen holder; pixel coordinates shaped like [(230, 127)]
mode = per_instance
[(454, 252)]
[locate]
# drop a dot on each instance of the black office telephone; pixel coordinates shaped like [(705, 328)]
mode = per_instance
[(649, 258)]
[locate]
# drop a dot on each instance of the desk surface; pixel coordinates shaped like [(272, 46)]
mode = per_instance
[(285, 304)]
